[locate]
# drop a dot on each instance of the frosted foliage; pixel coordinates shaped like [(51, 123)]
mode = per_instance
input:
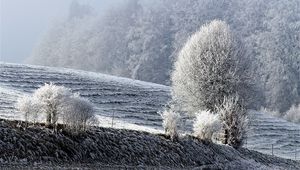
[(141, 40), (29, 107), (234, 120), (271, 112), (170, 122), (206, 125), (56, 103), (49, 98), (293, 114), (207, 68), (78, 114)]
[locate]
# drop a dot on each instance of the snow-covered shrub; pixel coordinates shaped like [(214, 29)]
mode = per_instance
[(49, 98), (206, 125), (270, 112), (234, 121), (78, 114), (170, 122), (29, 107), (57, 103), (211, 65), (293, 114)]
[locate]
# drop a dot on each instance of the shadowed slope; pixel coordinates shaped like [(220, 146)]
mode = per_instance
[(105, 146)]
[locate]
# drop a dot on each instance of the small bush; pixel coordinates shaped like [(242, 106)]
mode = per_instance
[(56, 103), (271, 112), (29, 107), (170, 122), (206, 125), (78, 114), (233, 116), (293, 114)]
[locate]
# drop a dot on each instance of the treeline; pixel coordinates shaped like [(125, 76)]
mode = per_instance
[(140, 39)]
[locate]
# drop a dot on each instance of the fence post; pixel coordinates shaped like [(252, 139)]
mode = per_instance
[(112, 120), (296, 145), (272, 150)]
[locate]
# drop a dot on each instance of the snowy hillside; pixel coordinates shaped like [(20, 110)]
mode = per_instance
[(133, 104)]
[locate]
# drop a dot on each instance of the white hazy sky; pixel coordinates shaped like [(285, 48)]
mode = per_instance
[(22, 22)]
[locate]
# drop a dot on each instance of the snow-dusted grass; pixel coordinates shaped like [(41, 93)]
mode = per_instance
[(267, 130), (112, 96), (109, 122), (90, 75), (10, 96), (105, 146), (8, 100)]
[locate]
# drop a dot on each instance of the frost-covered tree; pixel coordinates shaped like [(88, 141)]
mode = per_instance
[(29, 107), (293, 114), (50, 98), (56, 103), (170, 122), (140, 39), (62, 44), (234, 121), (206, 125), (280, 73), (77, 114), (77, 10), (209, 67), (148, 47)]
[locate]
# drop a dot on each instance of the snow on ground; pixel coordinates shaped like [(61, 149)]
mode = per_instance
[(266, 131), (8, 99), (121, 98), (133, 104)]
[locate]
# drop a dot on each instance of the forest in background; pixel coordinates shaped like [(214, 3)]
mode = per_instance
[(141, 39)]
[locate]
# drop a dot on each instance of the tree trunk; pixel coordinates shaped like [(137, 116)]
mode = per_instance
[(48, 119), (226, 136)]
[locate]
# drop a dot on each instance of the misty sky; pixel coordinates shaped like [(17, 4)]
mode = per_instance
[(24, 21)]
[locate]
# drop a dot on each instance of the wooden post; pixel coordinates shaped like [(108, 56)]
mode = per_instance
[(272, 150), (112, 120), (295, 146)]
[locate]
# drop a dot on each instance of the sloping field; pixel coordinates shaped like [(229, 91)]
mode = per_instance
[(129, 101), (37, 146), (133, 104)]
